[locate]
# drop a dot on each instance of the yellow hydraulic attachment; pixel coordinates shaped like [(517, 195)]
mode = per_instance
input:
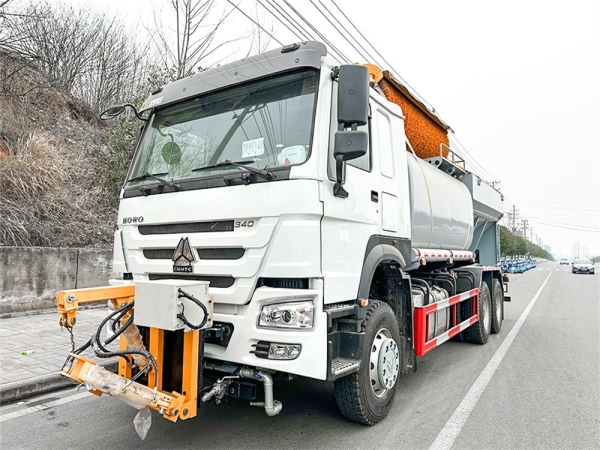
[(68, 302), (99, 380)]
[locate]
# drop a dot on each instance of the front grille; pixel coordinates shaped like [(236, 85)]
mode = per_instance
[(215, 281), (220, 253), (191, 227), (159, 253), (203, 253)]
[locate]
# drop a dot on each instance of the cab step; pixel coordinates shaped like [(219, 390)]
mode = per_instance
[(341, 367)]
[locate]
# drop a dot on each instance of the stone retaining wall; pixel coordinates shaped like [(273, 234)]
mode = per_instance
[(30, 277)]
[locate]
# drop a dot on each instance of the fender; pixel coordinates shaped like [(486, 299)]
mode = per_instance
[(381, 248), (463, 282), (397, 294)]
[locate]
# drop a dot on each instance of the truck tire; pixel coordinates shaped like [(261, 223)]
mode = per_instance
[(497, 306), (479, 332), (366, 396)]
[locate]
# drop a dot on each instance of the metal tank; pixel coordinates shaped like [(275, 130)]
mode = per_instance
[(441, 208)]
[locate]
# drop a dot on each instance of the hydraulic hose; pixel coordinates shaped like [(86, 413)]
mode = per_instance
[(181, 315)]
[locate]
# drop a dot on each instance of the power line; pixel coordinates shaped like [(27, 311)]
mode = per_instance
[(349, 34), (327, 41), (566, 226), (283, 23), (337, 29), (340, 58), (549, 210), (291, 20), (254, 22), (383, 59), (473, 161)]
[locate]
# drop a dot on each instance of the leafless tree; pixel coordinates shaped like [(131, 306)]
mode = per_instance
[(260, 36), (197, 23), (58, 37), (118, 70), (87, 53)]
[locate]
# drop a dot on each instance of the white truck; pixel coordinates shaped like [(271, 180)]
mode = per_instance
[(285, 215)]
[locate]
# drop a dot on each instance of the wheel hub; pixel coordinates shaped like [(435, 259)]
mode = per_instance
[(498, 300), (486, 308), (384, 363)]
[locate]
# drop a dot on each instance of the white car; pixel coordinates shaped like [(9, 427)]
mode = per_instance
[(564, 261), (583, 266)]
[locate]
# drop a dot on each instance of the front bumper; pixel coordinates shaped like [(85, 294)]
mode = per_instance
[(312, 361)]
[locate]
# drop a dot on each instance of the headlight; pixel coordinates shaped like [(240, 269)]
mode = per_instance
[(287, 315)]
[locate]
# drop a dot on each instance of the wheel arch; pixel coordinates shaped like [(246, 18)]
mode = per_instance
[(383, 279), (377, 256)]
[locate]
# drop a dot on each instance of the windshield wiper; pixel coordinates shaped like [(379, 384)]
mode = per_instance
[(267, 174), (156, 176)]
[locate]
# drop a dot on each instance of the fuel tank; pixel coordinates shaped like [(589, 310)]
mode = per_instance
[(441, 208)]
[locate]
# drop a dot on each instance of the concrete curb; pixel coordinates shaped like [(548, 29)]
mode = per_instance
[(19, 390)]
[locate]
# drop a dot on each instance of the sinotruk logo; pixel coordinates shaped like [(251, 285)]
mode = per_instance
[(183, 257)]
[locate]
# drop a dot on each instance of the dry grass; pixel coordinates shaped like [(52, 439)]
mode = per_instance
[(49, 190), (43, 202)]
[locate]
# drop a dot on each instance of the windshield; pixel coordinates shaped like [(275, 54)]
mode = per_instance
[(265, 123), (583, 261)]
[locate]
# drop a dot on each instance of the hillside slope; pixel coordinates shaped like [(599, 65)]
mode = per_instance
[(50, 191)]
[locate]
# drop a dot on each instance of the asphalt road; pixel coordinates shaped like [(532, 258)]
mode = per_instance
[(541, 392)]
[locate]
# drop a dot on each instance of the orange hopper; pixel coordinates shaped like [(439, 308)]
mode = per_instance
[(424, 130)]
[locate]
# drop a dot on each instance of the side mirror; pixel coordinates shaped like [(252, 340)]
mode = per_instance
[(353, 95), (353, 111), (112, 112), (348, 145)]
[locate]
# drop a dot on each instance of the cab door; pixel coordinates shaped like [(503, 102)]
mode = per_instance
[(349, 222)]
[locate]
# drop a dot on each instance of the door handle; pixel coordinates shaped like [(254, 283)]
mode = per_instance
[(374, 196)]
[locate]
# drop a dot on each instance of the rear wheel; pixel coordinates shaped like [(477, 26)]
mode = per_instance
[(497, 306), (366, 396), (479, 332)]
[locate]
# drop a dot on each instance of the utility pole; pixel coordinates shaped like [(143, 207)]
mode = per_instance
[(531, 234), (512, 219)]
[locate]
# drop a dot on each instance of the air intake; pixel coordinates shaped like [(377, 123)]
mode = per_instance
[(191, 227)]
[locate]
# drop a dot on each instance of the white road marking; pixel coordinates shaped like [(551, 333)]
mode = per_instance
[(446, 437), (44, 406)]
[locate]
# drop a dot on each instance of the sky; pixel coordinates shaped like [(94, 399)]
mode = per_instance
[(517, 80)]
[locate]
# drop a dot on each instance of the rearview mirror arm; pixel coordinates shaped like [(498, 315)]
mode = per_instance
[(135, 111), (338, 189)]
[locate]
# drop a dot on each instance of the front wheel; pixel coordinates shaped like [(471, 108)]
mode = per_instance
[(366, 396)]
